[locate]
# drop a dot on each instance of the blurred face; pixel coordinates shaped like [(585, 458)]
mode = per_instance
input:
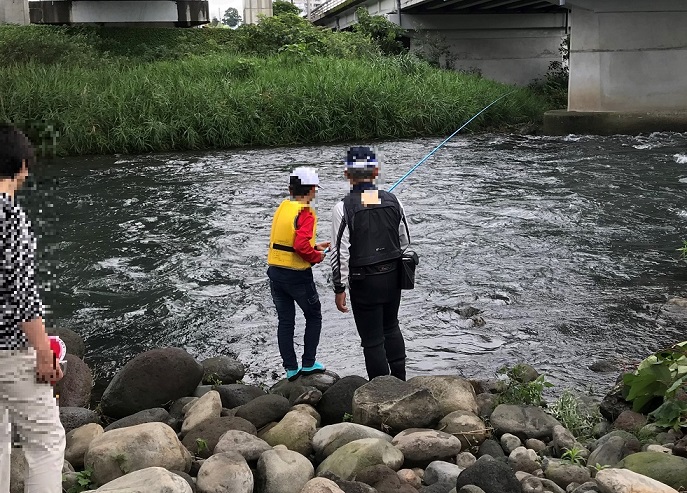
[(20, 178)]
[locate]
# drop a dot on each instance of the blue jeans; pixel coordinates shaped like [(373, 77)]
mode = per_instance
[(288, 288)]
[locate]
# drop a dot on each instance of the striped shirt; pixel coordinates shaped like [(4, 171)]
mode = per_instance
[(20, 301)]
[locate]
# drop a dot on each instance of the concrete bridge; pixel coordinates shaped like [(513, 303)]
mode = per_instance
[(627, 57)]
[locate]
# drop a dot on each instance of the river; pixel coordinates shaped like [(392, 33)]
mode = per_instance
[(567, 245)]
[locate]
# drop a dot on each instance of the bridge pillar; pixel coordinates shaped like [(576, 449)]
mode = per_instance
[(14, 12), (628, 60)]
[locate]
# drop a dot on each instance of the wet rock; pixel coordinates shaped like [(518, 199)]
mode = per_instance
[(248, 446), (624, 481), (491, 475), (149, 480), (680, 448), (613, 404), (320, 381), (442, 472), (390, 402), (465, 460), (264, 410), (564, 440), (151, 379), (156, 415), (609, 453), (210, 432), (510, 442), (204, 409), (601, 428), (522, 459), (486, 403), (605, 366), (534, 444), (564, 473), (296, 431), (75, 417), (337, 400), (668, 469), (321, 485), (352, 458), (629, 421), (282, 471), (466, 426), (422, 446), (122, 451), (78, 441), (491, 448), (331, 437), (71, 339), (235, 395), (523, 421), (223, 369), (310, 397), (488, 386), (224, 473), (453, 393), (75, 387)]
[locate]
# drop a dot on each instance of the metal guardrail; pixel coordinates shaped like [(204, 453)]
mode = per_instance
[(321, 10)]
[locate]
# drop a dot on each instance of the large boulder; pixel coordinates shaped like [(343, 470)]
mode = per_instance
[(209, 432), (321, 485), (422, 446), (523, 421), (235, 395), (389, 403), (122, 451), (352, 458), (523, 459), (331, 437), (249, 446), (453, 393), (71, 339), (609, 453), (75, 387), (155, 415), (223, 369), (264, 409), (491, 475), (282, 471), (337, 401), (78, 441), (564, 473), (151, 379), (227, 472), (442, 472), (208, 407), (149, 480), (296, 431), (668, 469), (626, 481), (466, 426), (613, 404), (75, 417)]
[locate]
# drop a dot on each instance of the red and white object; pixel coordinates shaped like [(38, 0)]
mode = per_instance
[(58, 347)]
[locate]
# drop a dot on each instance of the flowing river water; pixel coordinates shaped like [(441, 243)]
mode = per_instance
[(567, 246)]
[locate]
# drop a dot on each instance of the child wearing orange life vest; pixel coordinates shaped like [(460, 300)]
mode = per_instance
[(292, 253)]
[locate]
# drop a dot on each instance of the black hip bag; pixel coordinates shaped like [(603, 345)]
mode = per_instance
[(408, 261)]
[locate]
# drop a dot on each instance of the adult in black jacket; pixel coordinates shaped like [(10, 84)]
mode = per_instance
[(369, 233)]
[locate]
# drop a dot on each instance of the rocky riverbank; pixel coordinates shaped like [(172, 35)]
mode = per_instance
[(168, 423)]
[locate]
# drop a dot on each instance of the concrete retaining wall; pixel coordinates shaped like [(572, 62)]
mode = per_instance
[(14, 12)]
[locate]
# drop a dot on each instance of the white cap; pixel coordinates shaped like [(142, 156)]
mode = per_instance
[(306, 175)]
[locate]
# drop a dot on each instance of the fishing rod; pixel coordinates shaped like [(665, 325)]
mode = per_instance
[(400, 180)]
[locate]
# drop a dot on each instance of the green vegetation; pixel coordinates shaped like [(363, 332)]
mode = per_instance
[(347, 418), (519, 389), (83, 481), (660, 378), (683, 250), (574, 416), (281, 82), (280, 7), (574, 456), (202, 445)]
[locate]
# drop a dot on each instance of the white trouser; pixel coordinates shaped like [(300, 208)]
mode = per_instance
[(30, 407)]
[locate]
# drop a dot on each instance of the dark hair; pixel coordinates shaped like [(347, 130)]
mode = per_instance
[(361, 173), (15, 149), (297, 189)]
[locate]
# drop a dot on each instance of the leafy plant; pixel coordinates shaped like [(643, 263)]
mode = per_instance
[(213, 379), (384, 32), (121, 461), (574, 456), (683, 250), (598, 467), (518, 390), (280, 7), (202, 445), (348, 418), (83, 481), (574, 416)]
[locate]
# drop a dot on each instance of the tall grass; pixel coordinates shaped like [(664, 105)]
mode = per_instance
[(222, 100)]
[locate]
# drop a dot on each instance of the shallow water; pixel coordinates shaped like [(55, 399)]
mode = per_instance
[(567, 245)]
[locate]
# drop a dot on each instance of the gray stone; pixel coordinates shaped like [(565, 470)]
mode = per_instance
[(534, 444), (156, 415), (486, 403), (330, 438), (609, 453), (235, 395), (352, 458), (264, 409), (453, 393), (321, 485), (148, 480), (491, 475), (422, 446), (629, 421), (151, 379), (210, 432), (204, 409), (75, 387), (523, 421), (533, 484), (564, 473), (337, 400), (384, 480), (465, 460), (223, 369), (389, 402), (175, 410), (491, 448), (296, 431), (248, 446), (523, 459), (282, 471), (442, 472), (465, 426), (319, 381), (438, 488), (623, 480), (76, 417), (471, 488), (224, 473), (588, 487), (510, 442), (668, 469), (408, 476), (187, 477), (310, 397), (349, 486), (78, 441)]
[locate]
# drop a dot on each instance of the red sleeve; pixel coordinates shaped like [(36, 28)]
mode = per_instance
[(305, 223)]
